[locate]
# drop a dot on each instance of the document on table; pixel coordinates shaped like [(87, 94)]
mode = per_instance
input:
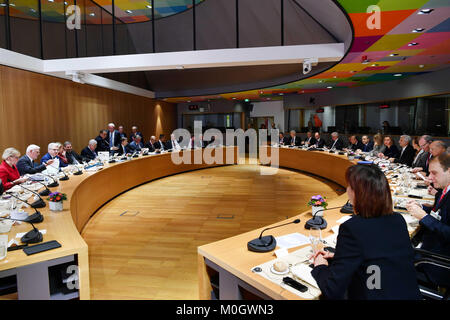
[(292, 240)]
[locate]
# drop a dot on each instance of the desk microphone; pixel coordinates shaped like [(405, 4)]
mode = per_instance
[(66, 177), (35, 217), (54, 183), (318, 222), (38, 203), (79, 172), (266, 243), (45, 192), (32, 236)]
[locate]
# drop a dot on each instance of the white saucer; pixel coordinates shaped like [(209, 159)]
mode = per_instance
[(279, 273)]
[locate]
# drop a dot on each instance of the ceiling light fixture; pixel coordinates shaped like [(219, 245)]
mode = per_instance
[(149, 6), (330, 87), (418, 30), (412, 44), (92, 14), (425, 11), (128, 11), (394, 54), (398, 75), (421, 66)]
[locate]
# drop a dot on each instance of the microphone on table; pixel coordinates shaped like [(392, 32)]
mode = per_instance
[(38, 203), (266, 243), (66, 177), (32, 236), (45, 192), (79, 172), (54, 183), (318, 222), (35, 217)]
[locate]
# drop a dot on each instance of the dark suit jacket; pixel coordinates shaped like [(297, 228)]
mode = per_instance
[(135, 147), (134, 134), (285, 140), (367, 147), (312, 141), (102, 145), (70, 156), (25, 165), (87, 154), (47, 157), (361, 244), (357, 146), (421, 161), (121, 151), (435, 236), (151, 147), (158, 145), (117, 138), (298, 141), (407, 157), (391, 152), (320, 143), (338, 144)]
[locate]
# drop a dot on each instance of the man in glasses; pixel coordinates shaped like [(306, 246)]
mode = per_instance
[(422, 159)]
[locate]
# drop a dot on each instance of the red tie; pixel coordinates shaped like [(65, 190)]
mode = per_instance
[(444, 192)]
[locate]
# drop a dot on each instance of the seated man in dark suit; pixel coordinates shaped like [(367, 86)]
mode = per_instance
[(102, 143), (52, 154), (136, 145), (173, 144), (135, 132), (407, 152), (71, 156), (26, 163), (124, 147), (310, 140), (282, 140), (336, 142), (161, 143), (435, 221), (89, 152), (424, 156), (150, 145), (294, 140), (320, 143), (367, 145), (354, 144)]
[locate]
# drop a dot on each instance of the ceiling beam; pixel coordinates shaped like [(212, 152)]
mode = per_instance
[(332, 52)]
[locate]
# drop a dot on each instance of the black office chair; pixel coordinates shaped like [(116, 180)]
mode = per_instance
[(429, 289)]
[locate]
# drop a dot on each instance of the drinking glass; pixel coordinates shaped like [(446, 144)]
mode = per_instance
[(315, 238)]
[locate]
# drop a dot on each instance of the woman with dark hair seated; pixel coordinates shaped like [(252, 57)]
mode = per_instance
[(391, 150), (374, 255)]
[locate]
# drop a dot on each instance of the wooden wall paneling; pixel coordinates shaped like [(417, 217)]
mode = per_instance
[(40, 109)]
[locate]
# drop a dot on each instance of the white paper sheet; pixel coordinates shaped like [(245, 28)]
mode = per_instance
[(292, 240)]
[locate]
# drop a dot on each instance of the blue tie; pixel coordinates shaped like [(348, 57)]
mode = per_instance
[(111, 139)]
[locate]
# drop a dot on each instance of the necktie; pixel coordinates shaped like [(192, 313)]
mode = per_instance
[(444, 192), (111, 139)]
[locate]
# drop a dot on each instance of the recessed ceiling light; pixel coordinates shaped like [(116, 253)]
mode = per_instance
[(398, 75), (92, 14), (394, 54), (421, 66), (128, 11), (12, 4), (330, 87), (412, 44), (51, 0), (418, 30), (149, 6), (426, 11)]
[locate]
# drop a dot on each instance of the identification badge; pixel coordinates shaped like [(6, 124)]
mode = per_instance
[(436, 215)]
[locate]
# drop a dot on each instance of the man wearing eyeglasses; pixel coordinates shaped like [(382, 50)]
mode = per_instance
[(422, 159), (51, 155)]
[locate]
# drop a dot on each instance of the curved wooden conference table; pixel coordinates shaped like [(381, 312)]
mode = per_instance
[(232, 254), (88, 192)]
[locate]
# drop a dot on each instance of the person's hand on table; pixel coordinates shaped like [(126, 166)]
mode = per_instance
[(415, 170), (415, 210), (320, 257), (391, 160), (20, 180)]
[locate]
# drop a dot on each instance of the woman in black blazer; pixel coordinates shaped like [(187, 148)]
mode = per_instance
[(391, 150), (374, 255)]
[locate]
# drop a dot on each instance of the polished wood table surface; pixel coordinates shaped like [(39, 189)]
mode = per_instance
[(232, 254), (88, 192)]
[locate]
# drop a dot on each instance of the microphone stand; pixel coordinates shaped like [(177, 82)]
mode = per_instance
[(54, 183), (35, 217), (32, 236), (66, 177), (37, 204), (45, 192), (266, 243), (318, 222)]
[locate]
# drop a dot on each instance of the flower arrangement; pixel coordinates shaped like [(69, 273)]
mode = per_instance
[(57, 197), (318, 201)]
